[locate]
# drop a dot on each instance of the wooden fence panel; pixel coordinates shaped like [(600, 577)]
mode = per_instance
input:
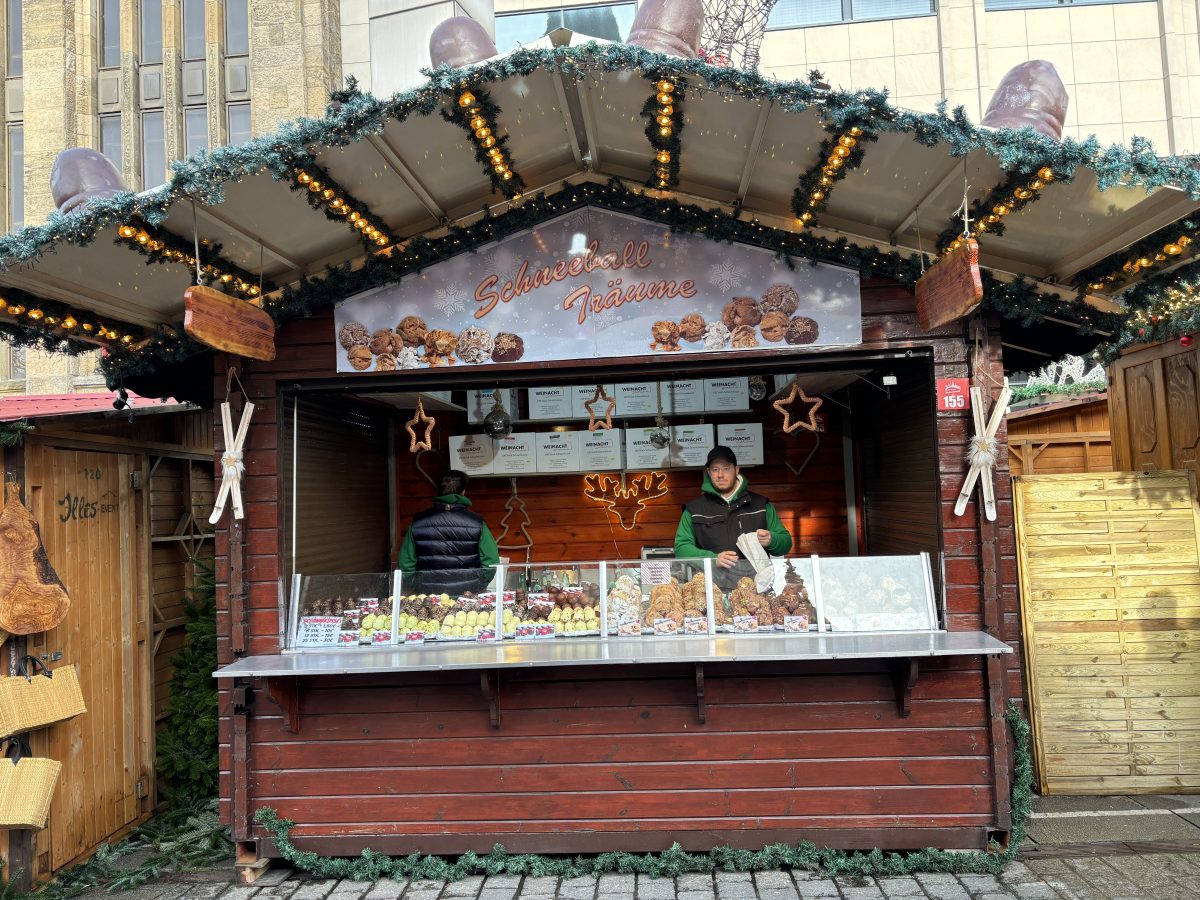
[(1110, 595)]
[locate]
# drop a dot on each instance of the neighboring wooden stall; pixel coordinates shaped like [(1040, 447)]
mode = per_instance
[(1056, 438), (1110, 588), (1154, 402), (121, 505)]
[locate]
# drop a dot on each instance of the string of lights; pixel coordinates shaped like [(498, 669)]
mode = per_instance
[(839, 155), (663, 112), (476, 113), (323, 193), (987, 214), (162, 246)]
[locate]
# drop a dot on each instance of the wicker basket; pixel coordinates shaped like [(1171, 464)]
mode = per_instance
[(26, 786), (29, 701)]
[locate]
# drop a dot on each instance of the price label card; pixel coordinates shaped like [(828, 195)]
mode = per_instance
[(472, 453), (554, 403), (638, 399), (318, 631), (557, 451), (414, 637), (721, 394), (953, 394), (655, 572)]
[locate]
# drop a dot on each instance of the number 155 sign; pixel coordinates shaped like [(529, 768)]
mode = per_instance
[(953, 394)]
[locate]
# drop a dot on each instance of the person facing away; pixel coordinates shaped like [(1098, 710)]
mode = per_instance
[(725, 510), (448, 548)]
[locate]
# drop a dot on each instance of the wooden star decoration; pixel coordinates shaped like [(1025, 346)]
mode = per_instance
[(425, 443), (593, 422), (797, 393)]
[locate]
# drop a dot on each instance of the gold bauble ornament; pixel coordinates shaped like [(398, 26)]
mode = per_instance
[(466, 99)]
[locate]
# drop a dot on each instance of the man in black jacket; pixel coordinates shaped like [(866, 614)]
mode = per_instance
[(448, 546), (725, 510)]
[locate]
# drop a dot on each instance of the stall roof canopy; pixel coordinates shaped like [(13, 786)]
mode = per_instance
[(576, 123)]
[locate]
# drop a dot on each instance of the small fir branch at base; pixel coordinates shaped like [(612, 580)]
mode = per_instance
[(12, 434), (806, 856)]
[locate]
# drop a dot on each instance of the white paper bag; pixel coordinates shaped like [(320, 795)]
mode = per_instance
[(756, 555)]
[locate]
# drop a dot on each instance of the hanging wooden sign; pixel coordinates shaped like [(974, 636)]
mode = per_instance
[(951, 288), (228, 324), (32, 596)]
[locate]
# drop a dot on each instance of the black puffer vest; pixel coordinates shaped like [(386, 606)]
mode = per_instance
[(446, 539), (716, 525)]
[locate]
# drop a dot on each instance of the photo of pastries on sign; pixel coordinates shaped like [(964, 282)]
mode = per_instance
[(413, 344)]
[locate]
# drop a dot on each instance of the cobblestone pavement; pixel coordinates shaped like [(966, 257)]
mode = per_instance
[(1152, 876)]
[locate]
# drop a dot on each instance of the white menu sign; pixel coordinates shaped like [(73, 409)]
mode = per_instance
[(600, 450), (641, 454), (746, 442), (318, 631), (557, 451), (550, 403), (637, 399), (515, 454), (732, 393), (480, 403), (690, 444), (472, 453), (683, 396), (584, 394)]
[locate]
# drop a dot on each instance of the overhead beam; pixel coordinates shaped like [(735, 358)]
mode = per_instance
[(1164, 207), (564, 104), (53, 287), (397, 164), (946, 177), (760, 127), (584, 92), (206, 213)]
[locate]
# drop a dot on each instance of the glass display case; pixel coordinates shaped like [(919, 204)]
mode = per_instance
[(604, 600)]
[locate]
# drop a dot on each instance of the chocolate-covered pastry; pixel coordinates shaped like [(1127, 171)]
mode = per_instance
[(691, 328), (780, 298), (774, 326), (412, 331), (439, 347), (383, 341), (802, 330), (741, 311), (360, 358), (508, 347), (475, 344), (353, 334), (665, 336), (744, 337)]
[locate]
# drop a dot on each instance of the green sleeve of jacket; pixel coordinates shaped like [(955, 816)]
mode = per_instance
[(489, 553), (407, 560), (781, 538), (685, 539)]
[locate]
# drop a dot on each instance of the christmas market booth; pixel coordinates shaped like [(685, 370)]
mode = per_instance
[(571, 271)]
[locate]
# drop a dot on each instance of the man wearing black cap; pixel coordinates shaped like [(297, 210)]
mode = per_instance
[(725, 510)]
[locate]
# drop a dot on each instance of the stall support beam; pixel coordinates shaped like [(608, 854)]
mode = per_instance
[(243, 697), (489, 683), (701, 704), (904, 679), (285, 693)]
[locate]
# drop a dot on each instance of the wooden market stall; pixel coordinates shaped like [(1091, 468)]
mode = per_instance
[(583, 220), (122, 500), (1070, 435)]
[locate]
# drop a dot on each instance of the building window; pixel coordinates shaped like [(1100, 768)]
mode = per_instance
[(610, 22), (154, 150), (995, 5), (110, 138), (195, 129), (110, 33), (237, 27), (193, 29), (12, 362), (15, 59), (151, 31), (803, 13), (16, 176), (238, 122)]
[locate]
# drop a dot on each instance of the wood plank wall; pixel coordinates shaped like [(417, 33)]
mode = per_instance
[(1154, 403), (817, 752), (1072, 436)]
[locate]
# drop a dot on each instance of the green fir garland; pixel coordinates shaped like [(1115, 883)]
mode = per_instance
[(806, 856), (663, 138), (354, 115)]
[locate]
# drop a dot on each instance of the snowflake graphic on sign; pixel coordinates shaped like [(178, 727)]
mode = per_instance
[(450, 299), (726, 276)]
